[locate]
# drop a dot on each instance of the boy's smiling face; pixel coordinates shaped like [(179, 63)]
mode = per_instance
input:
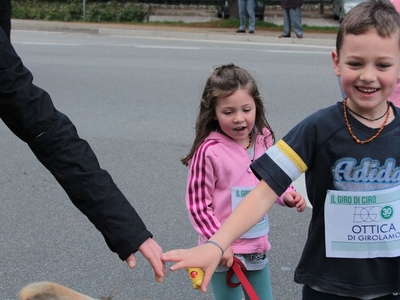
[(369, 66)]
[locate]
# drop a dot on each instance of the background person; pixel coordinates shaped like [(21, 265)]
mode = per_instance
[(292, 18), (246, 8)]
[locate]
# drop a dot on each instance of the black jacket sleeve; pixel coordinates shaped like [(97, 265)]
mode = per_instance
[(30, 114)]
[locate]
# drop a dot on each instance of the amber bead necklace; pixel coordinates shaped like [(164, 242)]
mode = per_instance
[(250, 142), (345, 108)]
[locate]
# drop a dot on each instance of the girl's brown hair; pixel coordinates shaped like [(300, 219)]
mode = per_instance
[(223, 82)]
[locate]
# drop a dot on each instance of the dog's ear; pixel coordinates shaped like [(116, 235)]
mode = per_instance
[(50, 291)]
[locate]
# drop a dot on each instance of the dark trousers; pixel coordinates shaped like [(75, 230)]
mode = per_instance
[(310, 294)]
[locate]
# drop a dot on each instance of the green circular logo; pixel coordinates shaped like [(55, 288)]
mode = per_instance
[(387, 212)]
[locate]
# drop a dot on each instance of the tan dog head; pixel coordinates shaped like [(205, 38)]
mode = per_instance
[(51, 291)]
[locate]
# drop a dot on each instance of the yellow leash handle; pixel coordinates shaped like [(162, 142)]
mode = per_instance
[(196, 276)]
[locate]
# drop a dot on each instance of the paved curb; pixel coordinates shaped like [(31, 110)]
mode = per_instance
[(261, 38)]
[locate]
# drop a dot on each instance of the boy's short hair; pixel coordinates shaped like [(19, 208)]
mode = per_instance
[(380, 15)]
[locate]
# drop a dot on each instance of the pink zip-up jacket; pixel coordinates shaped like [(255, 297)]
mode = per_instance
[(219, 164)]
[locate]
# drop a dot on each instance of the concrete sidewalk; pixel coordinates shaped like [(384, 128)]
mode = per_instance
[(309, 17), (188, 32)]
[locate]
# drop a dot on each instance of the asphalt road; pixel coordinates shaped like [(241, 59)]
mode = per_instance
[(135, 100)]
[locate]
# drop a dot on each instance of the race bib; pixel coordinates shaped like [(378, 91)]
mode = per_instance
[(362, 224), (262, 227)]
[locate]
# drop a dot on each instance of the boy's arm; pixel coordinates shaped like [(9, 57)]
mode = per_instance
[(250, 210), (246, 215)]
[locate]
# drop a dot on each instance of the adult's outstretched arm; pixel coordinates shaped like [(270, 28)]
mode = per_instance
[(30, 114)]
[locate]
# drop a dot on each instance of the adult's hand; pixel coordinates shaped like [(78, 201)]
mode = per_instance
[(152, 252)]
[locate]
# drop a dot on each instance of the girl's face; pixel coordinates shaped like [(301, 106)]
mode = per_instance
[(236, 115), (369, 67)]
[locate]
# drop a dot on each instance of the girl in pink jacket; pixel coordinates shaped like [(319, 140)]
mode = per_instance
[(231, 131)]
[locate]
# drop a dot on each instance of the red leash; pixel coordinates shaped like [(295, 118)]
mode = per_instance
[(239, 269)]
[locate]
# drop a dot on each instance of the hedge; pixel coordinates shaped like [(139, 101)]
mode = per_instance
[(72, 10)]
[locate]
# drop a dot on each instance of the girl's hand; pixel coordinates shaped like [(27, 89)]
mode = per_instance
[(227, 258), (205, 257), (295, 199)]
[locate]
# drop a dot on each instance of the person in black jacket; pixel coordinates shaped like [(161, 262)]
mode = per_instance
[(5, 16), (30, 114)]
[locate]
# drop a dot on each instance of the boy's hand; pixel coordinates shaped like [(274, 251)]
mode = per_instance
[(206, 257)]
